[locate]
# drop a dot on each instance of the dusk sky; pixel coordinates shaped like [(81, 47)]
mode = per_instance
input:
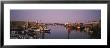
[(55, 15)]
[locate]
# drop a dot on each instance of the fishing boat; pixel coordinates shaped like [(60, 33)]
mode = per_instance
[(46, 30)]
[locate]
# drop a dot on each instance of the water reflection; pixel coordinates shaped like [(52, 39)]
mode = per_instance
[(61, 32), (68, 35)]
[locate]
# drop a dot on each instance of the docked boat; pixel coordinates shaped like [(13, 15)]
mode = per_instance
[(46, 30)]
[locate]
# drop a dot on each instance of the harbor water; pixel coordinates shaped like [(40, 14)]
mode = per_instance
[(60, 32)]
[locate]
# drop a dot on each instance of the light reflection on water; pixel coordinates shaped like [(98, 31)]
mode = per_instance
[(60, 32)]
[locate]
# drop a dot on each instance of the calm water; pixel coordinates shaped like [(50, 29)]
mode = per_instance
[(60, 32)]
